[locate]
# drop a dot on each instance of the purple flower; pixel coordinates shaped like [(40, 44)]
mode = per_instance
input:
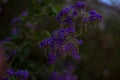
[(62, 14), (70, 77), (44, 43), (24, 74), (13, 52), (64, 11), (6, 39), (75, 55), (51, 58), (75, 13), (60, 45), (68, 20), (85, 20), (94, 15), (68, 47), (24, 13), (16, 20), (72, 50), (79, 5), (70, 30), (54, 75), (80, 42), (11, 72), (64, 75), (15, 31)]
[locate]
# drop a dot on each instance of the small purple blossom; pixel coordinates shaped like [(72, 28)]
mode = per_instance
[(11, 72), (70, 30), (13, 52), (85, 20), (16, 20), (51, 58), (15, 31), (68, 20), (62, 14), (64, 75), (79, 5), (44, 43), (80, 42), (6, 39), (24, 13), (54, 75), (23, 74), (75, 55), (75, 13), (94, 15), (71, 49)]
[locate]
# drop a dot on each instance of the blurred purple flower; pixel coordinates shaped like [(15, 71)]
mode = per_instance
[(23, 74), (15, 31), (62, 13), (54, 75), (75, 55), (94, 15), (79, 5), (13, 52), (5, 40), (11, 72), (80, 42), (85, 20), (64, 75), (75, 13), (24, 13), (16, 20), (69, 21), (51, 58)]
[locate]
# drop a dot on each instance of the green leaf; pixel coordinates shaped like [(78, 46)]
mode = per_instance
[(38, 36)]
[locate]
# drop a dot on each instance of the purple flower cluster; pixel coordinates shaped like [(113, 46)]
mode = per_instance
[(16, 20), (68, 15), (64, 12), (94, 15), (15, 31), (79, 5), (64, 75), (21, 74), (62, 42), (24, 13), (6, 39)]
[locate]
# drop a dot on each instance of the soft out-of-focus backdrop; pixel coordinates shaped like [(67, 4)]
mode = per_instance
[(100, 55)]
